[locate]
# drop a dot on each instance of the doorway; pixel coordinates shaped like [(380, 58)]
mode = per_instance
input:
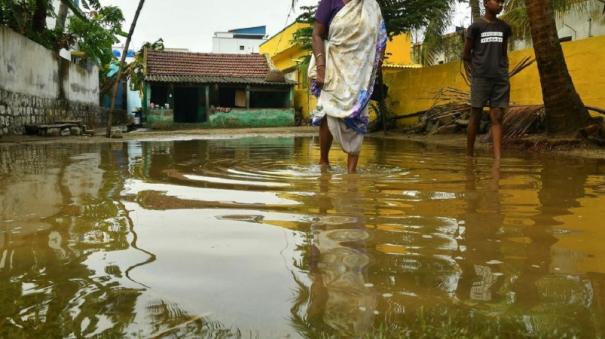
[(186, 101)]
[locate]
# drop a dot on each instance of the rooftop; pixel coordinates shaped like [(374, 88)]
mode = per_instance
[(170, 66)]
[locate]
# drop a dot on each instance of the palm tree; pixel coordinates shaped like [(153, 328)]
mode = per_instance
[(39, 18), (121, 67), (475, 9), (565, 112)]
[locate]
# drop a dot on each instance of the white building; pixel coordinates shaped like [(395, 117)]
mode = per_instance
[(578, 24), (239, 41), (586, 21)]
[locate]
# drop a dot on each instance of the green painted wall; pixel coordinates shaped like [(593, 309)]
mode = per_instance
[(252, 118), (159, 118), (146, 96)]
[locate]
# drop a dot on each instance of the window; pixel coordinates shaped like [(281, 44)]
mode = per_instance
[(565, 39), (241, 48)]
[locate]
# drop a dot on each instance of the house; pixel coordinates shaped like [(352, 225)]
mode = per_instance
[(127, 101), (291, 59), (241, 40), (215, 89)]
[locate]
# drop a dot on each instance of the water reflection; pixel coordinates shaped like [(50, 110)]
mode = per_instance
[(247, 237), (58, 208), (340, 295), (483, 221)]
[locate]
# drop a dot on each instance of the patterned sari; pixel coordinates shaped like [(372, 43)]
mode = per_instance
[(354, 51)]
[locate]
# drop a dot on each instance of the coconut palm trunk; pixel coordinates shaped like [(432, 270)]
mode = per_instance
[(475, 9), (565, 112), (121, 68), (39, 16), (61, 17), (59, 29)]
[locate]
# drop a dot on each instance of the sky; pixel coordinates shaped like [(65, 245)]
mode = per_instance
[(191, 24)]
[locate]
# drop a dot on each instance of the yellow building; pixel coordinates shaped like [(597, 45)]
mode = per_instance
[(287, 57)]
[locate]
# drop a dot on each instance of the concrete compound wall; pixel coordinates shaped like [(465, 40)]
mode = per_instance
[(29, 86), (413, 90), (236, 118)]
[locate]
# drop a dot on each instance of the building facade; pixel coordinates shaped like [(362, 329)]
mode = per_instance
[(215, 89), (239, 41)]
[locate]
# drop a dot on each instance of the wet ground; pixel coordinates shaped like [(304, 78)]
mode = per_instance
[(248, 238)]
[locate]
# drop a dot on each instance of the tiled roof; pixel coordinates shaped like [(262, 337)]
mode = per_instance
[(167, 66)]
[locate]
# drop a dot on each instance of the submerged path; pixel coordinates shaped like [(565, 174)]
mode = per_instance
[(228, 236)]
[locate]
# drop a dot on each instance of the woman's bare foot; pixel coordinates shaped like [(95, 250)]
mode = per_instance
[(352, 163)]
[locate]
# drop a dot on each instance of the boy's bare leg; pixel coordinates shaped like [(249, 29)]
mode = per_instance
[(496, 115), (471, 132), (352, 163), (325, 143)]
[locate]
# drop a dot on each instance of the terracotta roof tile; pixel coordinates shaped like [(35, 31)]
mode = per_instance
[(184, 65)]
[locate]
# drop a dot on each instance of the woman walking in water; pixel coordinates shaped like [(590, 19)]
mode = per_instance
[(349, 39)]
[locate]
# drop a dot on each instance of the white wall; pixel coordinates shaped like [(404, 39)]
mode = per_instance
[(28, 68), (232, 45), (134, 100), (81, 84)]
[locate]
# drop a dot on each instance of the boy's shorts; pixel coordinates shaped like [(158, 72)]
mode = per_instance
[(496, 92)]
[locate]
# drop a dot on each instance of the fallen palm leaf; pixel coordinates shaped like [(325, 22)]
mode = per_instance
[(451, 106), (519, 120)]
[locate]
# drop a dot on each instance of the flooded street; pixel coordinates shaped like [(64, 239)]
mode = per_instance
[(248, 238)]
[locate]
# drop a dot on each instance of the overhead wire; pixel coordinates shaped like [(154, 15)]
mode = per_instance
[(286, 24)]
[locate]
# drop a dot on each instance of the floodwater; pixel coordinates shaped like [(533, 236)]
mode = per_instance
[(248, 238)]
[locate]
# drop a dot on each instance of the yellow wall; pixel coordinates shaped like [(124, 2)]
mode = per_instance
[(284, 54), (280, 48), (305, 101), (399, 50), (412, 90)]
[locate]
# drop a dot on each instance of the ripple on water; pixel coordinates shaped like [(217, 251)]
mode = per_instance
[(437, 229), (134, 187)]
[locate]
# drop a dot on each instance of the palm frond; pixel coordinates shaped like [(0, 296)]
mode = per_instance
[(433, 42)]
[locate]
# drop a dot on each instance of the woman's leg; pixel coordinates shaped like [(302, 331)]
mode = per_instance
[(352, 163), (325, 142)]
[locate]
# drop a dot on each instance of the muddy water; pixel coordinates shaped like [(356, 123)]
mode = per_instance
[(248, 238)]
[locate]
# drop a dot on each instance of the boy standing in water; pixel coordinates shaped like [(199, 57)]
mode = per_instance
[(486, 56)]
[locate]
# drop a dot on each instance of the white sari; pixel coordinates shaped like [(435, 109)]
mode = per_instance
[(354, 51)]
